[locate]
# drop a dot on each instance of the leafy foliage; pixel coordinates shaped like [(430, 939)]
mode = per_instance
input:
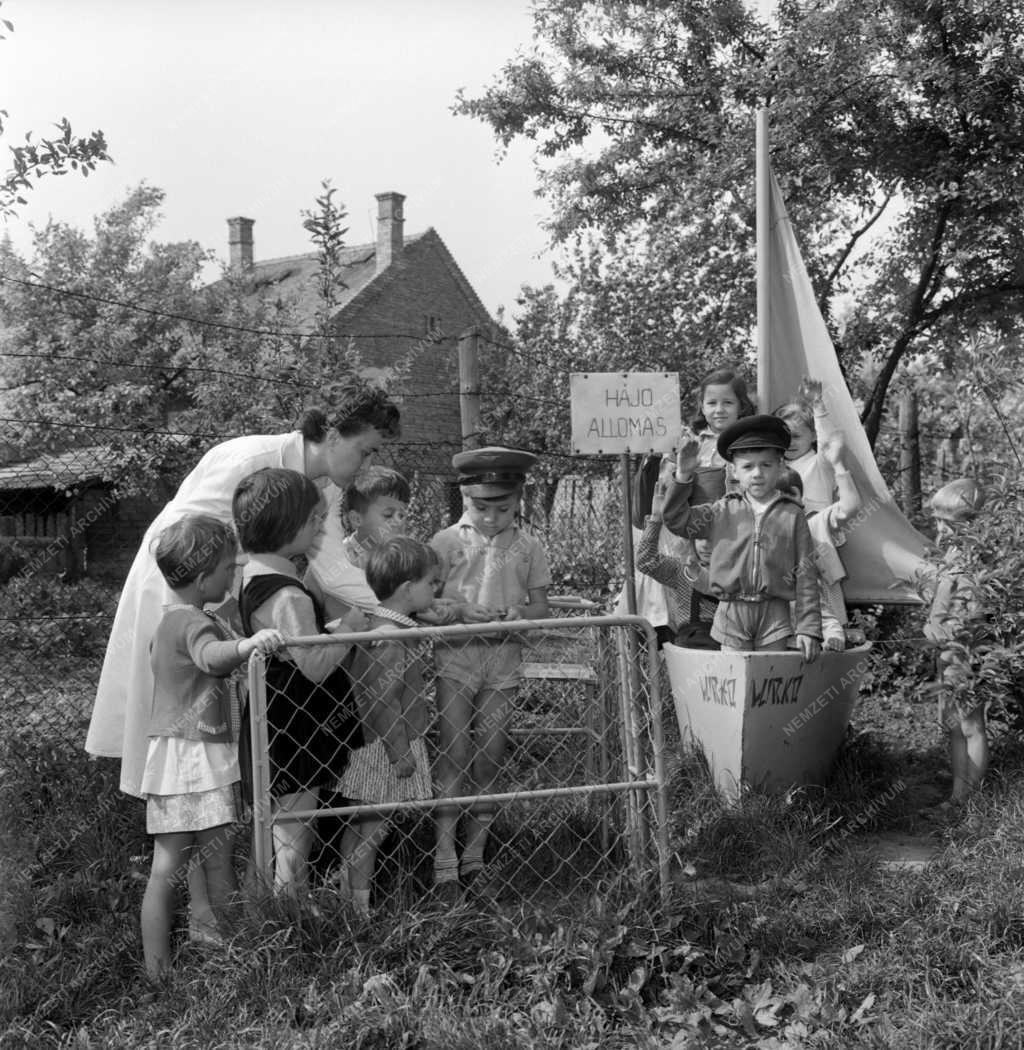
[(897, 129), (984, 663)]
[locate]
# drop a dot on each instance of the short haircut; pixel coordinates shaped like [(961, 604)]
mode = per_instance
[(958, 500), (271, 506), (352, 406), (375, 483), (192, 547), (396, 561), (789, 479), (799, 412)]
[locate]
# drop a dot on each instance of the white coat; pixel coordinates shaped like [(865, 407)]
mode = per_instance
[(123, 697)]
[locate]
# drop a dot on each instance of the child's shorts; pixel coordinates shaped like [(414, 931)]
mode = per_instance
[(749, 626), (191, 810), (370, 776), (480, 665)]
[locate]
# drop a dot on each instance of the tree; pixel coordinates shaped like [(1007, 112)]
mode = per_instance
[(898, 137), (92, 334), (48, 156)]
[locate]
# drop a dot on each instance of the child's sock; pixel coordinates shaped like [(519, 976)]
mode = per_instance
[(473, 854), (361, 902), (446, 860), (446, 867)]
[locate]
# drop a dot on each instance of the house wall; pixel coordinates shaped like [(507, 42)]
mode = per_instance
[(417, 287)]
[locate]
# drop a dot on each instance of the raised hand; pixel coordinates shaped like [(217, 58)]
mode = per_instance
[(810, 390), (687, 455)]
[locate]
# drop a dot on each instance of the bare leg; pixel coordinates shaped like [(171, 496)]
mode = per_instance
[(168, 874), (293, 842), (359, 846), (215, 851), (202, 920), (455, 750), (491, 742)]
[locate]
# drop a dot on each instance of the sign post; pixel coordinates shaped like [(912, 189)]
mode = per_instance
[(625, 413)]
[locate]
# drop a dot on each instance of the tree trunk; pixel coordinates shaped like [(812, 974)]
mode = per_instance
[(910, 455)]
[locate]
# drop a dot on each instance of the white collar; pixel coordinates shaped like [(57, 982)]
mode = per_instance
[(395, 617), (264, 564)]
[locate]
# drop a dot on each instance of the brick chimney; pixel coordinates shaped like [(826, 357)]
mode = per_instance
[(390, 222), (240, 243)]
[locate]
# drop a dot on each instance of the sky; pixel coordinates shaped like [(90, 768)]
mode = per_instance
[(243, 107)]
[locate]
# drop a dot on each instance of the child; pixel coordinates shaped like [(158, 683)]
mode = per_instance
[(955, 602), (723, 399), (376, 504), (389, 680), (808, 421), (761, 552), (191, 761), (311, 717), (493, 570), (826, 528)]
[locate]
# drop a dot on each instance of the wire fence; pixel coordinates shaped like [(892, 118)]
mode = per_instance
[(557, 778)]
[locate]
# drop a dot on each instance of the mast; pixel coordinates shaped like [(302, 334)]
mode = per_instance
[(762, 197)]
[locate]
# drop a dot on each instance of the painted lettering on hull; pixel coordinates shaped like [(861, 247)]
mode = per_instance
[(715, 690), (774, 691)]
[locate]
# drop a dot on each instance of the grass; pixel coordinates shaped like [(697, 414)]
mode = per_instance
[(781, 932)]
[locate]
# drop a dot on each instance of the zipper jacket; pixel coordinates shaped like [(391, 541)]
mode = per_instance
[(754, 558)]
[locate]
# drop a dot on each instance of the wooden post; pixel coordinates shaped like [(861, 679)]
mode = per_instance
[(469, 387), (627, 534), (910, 454)]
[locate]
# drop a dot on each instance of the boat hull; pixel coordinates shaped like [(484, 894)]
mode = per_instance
[(765, 720)]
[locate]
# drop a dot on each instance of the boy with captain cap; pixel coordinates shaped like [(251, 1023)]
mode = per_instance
[(492, 570), (762, 555)]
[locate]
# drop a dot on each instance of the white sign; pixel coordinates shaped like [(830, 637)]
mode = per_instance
[(616, 412)]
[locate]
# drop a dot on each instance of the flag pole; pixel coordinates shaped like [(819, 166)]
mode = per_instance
[(762, 202)]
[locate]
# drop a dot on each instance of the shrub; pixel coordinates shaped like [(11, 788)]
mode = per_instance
[(52, 618)]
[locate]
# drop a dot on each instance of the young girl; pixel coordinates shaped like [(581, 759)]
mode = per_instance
[(191, 762), (808, 421), (311, 718), (723, 400), (389, 682)]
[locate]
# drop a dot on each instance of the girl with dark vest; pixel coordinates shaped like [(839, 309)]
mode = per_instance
[(311, 714)]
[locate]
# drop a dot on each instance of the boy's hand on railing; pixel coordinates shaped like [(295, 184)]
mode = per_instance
[(809, 647), (470, 612), (443, 612)]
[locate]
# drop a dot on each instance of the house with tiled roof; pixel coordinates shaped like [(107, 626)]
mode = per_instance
[(404, 303)]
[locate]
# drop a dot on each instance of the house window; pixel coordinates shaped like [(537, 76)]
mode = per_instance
[(432, 325)]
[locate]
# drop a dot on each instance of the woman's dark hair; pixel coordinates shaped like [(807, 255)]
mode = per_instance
[(270, 507), (192, 547), (352, 406), (723, 377), (397, 561)]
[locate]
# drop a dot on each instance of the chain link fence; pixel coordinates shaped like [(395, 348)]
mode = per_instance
[(573, 797)]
